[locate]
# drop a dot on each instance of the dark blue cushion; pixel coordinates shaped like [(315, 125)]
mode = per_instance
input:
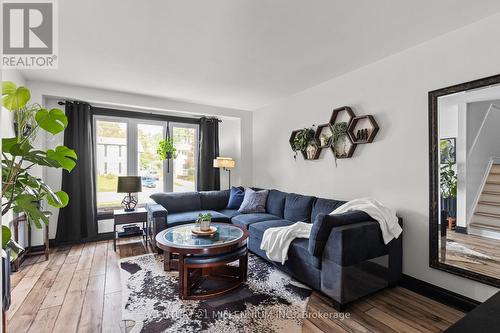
[(257, 229), (229, 212), (190, 217), (324, 224), (178, 202), (344, 247), (276, 203), (324, 206), (235, 197), (244, 220), (214, 200), (298, 207)]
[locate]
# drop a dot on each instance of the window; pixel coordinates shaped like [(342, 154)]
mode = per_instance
[(184, 170), (127, 146), (109, 135)]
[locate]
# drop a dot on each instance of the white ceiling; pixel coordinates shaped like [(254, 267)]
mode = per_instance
[(239, 53)]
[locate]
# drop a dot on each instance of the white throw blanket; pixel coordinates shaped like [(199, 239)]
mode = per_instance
[(276, 241)]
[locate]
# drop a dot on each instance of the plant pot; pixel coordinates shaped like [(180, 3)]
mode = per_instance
[(205, 225)]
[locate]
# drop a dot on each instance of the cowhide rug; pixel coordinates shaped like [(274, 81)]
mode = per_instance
[(270, 301)]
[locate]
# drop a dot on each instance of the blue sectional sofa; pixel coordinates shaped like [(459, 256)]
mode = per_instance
[(345, 257)]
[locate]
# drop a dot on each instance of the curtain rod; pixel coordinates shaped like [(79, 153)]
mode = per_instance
[(138, 114)]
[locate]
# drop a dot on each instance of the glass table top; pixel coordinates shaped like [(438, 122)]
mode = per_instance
[(183, 237)]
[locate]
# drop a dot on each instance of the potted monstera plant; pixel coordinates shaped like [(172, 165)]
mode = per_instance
[(22, 192)]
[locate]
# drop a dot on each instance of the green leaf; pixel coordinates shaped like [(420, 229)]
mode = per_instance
[(6, 235), (64, 156), (15, 249), (58, 199), (15, 100), (53, 121), (26, 203), (8, 88), (20, 149), (7, 144), (40, 157)]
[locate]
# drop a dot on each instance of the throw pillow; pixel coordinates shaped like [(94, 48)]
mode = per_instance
[(235, 197), (254, 201)]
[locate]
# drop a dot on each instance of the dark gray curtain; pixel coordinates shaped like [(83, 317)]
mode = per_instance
[(77, 221), (208, 176)]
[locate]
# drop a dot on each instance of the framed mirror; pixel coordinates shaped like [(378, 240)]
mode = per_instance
[(464, 165)]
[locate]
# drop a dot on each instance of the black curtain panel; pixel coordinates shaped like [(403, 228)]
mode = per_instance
[(77, 221), (208, 176)]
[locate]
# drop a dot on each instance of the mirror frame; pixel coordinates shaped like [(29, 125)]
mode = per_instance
[(434, 231)]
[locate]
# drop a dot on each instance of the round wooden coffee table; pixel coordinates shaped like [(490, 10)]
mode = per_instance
[(202, 261)]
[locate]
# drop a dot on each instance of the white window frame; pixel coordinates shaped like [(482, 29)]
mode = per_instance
[(132, 145)]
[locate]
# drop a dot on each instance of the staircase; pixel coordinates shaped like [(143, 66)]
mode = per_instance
[(487, 211)]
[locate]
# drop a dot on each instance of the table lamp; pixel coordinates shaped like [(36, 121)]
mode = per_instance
[(129, 185), (226, 163)]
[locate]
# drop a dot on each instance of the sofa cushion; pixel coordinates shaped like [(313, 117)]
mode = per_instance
[(244, 220), (214, 200), (324, 224), (178, 202), (324, 206), (344, 248), (235, 197), (229, 212), (298, 207), (190, 217), (257, 229), (276, 203), (254, 201)]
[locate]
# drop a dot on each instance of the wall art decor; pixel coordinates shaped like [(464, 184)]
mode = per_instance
[(341, 134)]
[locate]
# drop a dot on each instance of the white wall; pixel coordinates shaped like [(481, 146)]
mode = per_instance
[(394, 168), (235, 129)]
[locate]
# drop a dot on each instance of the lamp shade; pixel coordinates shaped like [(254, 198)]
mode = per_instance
[(129, 184), (224, 162)]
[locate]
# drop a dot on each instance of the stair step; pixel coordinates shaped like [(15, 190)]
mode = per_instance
[(484, 226), (494, 173), (490, 182), (487, 214), (489, 203), (491, 192)]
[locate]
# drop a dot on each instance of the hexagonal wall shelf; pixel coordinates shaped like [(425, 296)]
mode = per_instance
[(313, 149), (323, 135), (363, 129), (360, 130), (292, 137), (343, 113), (344, 149)]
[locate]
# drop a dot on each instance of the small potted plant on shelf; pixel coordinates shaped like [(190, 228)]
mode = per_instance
[(204, 221), (302, 140), (339, 136)]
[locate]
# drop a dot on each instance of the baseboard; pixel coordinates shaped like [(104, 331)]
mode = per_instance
[(461, 230), (99, 237), (438, 294)]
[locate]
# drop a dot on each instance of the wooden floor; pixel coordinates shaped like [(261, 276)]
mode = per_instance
[(483, 245), (78, 290)]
